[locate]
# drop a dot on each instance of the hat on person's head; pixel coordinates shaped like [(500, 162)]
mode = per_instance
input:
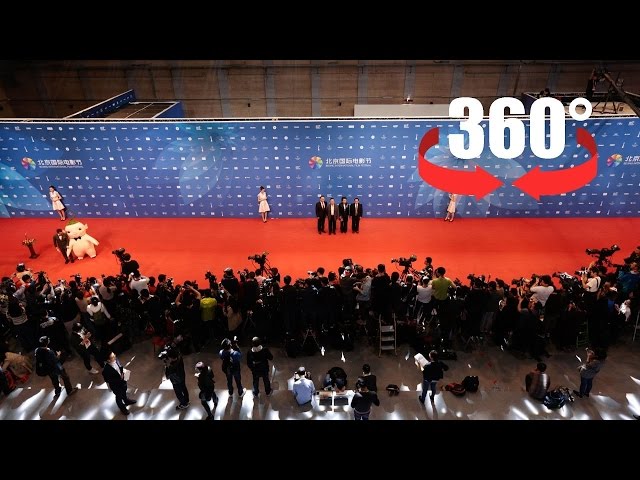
[(44, 340)]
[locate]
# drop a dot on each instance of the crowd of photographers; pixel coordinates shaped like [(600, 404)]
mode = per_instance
[(432, 310)]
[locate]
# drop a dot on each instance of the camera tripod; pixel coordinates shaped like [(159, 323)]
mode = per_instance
[(305, 336)]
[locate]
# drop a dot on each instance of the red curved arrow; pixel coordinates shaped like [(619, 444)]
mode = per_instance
[(478, 183), (536, 182)]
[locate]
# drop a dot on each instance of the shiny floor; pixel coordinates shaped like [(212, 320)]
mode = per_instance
[(615, 394)]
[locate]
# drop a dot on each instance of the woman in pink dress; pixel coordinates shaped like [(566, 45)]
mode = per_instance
[(451, 208), (56, 200), (263, 205)]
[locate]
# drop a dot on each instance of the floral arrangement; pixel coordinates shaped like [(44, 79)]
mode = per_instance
[(28, 241)]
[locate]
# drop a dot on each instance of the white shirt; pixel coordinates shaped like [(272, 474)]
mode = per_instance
[(424, 293), (139, 285), (542, 293), (593, 284), (91, 309)]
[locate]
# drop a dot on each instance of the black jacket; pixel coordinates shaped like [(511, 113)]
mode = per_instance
[(258, 362), (206, 381), (111, 376)]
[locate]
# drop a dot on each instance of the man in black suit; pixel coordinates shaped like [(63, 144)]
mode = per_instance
[(355, 212), (113, 374), (321, 213), (343, 211), (61, 242), (332, 213)]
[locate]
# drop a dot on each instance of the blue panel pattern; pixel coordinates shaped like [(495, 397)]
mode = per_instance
[(214, 169)]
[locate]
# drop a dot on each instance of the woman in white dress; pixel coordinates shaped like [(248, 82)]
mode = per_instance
[(56, 200), (451, 208), (263, 205)]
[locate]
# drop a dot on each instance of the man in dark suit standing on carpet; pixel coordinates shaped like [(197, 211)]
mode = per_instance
[(321, 213), (343, 211), (356, 213), (114, 374), (61, 242)]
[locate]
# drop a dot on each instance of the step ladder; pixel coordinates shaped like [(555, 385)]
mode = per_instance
[(582, 339), (387, 335)]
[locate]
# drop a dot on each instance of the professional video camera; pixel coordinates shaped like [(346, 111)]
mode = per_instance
[(20, 268), (259, 258), (211, 277), (602, 253), (405, 262), (582, 271), (473, 277), (570, 284), (119, 253)]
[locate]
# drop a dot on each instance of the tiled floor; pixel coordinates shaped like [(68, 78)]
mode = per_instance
[(615, 395)]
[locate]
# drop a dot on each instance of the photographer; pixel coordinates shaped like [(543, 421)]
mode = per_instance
[(128, 265), (231, 357), (61, 244), (174, 372), (48, 364), (630, 280), (542, 288), (230, 282), (100, 318), (188, 303), (138, 282), (303, 388), (81, 343)]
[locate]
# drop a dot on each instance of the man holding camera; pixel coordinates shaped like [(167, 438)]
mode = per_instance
[(128, 265)]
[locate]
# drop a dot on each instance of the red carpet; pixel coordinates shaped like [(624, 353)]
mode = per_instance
[(187, 248)]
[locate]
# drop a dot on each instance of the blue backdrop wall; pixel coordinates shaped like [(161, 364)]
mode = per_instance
[(214, 169)]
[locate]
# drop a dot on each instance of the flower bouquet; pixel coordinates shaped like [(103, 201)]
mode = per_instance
[(28, 242)]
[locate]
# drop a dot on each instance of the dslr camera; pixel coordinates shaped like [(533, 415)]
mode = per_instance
[(602, 253)]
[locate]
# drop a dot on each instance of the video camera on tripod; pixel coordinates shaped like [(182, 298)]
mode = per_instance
[(259, 258), (405, 262), (602, 253)]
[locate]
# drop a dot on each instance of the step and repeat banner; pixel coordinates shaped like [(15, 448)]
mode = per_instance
[(215, 169)]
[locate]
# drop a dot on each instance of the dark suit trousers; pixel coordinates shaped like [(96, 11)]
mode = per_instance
[(344, 222), (355, 224), (321, 224), (332, 224), (121, 396)]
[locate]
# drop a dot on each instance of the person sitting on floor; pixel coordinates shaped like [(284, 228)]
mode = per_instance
[(537, 382)]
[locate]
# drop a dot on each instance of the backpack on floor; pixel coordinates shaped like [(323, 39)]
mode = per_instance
[(42, 364), (557, 398), (471, 383), (456, 388)]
